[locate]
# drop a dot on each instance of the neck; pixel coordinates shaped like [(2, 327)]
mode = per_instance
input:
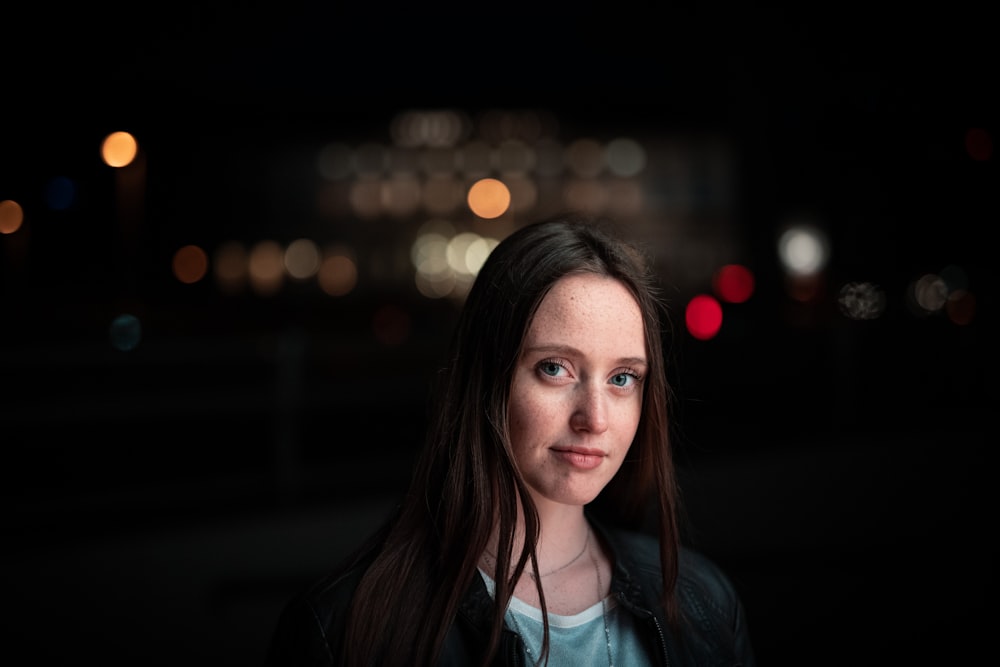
[(563, 531)]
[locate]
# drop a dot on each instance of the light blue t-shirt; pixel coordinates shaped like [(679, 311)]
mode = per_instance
[(578, 639)]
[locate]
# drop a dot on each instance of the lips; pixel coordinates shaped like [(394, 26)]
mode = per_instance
[(584, 458)]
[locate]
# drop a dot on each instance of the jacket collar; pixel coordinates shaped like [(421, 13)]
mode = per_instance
[(631, 570)]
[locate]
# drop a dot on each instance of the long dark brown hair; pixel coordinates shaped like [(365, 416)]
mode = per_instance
[(465, 483)]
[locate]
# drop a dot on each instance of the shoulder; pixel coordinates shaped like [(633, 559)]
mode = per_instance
[(637, 576), (712, 610), (310, 627), (702, 583), (639, 549), (699, 578)]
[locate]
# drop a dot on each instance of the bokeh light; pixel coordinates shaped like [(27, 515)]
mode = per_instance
[(302, 259), (625, 157), (930, 292), (488, 198), (861, 301), (190, 264), (429, 253), (125, 332), (447, 261), (11, 216), (119, 149), (438, 127), (266, 267), (803, 250), (477, 252), (338, 272), (231, 265), (733, 283), (945, 293), (366, 198), (961, 307), (703, 317)]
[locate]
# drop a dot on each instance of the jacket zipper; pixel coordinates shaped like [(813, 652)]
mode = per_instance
[(663, 641), (622, 598)]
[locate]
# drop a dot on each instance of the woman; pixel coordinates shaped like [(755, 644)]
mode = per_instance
[(521, 535)]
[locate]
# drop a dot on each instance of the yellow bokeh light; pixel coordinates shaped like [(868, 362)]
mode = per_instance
[(489, 198), (266, 267), (119, 149)]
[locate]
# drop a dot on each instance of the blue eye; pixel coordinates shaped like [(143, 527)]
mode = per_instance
[(624, 379), (550, 368)]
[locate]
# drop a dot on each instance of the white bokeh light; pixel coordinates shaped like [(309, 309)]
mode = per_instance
[(803, 250)]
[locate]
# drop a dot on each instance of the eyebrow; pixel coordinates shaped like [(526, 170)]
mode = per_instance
[(569, 350)]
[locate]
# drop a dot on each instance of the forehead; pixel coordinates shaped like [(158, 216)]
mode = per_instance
[(586, 305)]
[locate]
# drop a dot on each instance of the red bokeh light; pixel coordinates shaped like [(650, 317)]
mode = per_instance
[(703, 317), (733, 283)]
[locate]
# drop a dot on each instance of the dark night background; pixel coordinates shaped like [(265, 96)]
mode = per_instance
[(162, 503)]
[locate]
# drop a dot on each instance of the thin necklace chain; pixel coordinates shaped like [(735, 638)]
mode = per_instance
[(586, 543), (604, 607), (600, 595)]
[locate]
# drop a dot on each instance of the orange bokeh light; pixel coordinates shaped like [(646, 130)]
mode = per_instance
[(489, 198)]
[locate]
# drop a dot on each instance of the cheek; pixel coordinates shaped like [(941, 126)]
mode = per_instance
[(635, 414), (527, 415), (520, 422), (628, 422)]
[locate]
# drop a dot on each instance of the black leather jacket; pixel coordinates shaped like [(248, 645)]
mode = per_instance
[(713, 631)]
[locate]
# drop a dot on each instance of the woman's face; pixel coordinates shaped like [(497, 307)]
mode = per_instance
[(576, 395)]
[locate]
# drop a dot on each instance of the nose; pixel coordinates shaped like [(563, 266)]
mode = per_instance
[(590, 412)]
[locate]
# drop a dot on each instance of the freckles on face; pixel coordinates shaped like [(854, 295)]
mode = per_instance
[(576, 395)]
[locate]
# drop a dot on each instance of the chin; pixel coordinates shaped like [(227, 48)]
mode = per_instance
[(574, 498)]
